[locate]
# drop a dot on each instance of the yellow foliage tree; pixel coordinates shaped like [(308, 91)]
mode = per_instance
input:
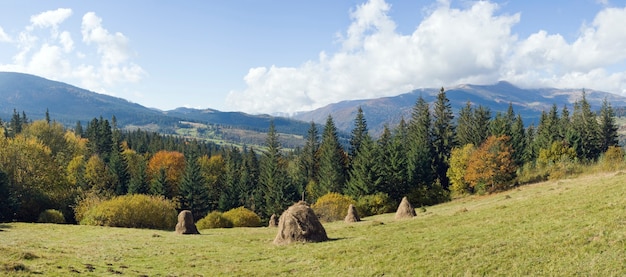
[(173, 162), (459, 161), (491, 167)]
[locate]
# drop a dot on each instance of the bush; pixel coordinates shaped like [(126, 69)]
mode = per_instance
[(133, 211), (88, 202), (51, 216), (332, 206), (242, 217), (213, 220), (613, 158), (374, 204)]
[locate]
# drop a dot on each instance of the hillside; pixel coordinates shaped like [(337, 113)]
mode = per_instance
[(68, 104), (568, 227), (389, 110)]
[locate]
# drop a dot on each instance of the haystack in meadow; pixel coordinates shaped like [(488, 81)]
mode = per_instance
[(405, 209), (352, 215), (185, 225), (273, 221), (299, 224)]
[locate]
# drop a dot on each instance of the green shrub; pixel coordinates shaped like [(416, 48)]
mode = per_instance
[(214, 219), (242, 217), (374, 204), (332, 206), (51, 216), (133, 211)]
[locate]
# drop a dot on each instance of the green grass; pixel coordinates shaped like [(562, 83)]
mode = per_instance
[(566, 228)]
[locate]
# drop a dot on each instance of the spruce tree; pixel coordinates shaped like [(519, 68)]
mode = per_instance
[(138, 183), (587, 130), (364, 174), (358, 133), (309, 160), (443, 136), (193, 192), (159, 184), (608, 128), (332, 161), (273, 176), (481, 119), (518, 141), (420, 146), (465, 123)]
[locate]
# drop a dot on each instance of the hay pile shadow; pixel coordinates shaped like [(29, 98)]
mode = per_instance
[(185, 225), (352, 215), (405, 209), (299, 224)]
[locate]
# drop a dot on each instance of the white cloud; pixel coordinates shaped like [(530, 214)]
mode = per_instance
[(450, 46), (3, 36), (103, 61)]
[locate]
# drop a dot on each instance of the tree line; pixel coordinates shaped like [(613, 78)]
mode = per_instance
[(431, 157)]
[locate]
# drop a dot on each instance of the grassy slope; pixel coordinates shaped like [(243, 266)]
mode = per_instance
[(566, 227)]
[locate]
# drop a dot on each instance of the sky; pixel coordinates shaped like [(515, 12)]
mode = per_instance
[(285, 56)]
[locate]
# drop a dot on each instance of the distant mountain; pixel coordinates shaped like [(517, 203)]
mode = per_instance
[(389, 110), (68, 104)]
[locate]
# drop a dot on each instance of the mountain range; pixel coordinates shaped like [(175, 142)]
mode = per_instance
[(69, 104)]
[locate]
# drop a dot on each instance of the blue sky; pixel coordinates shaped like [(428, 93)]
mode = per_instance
[(288, 56)]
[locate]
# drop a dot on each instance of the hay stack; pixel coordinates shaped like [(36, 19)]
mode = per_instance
[(273, 221), (299, 224), (405, 209), (185, 225), (352, 216)]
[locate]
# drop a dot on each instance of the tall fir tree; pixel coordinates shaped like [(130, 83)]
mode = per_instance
[(420, 146), (608, 128), (518, 141), (309, 160), (117, 164), (364, 174), (159, 184), (358, 133), (193, 193), (465, 123), (585, 126), (481, 119), (332, 161), (443, 137), (232, 174), (138, 182), (273, 176)]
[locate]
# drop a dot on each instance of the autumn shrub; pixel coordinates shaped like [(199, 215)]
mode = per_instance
[(564, 169), (332, 206), (133, 211), (51, 216), (374, 204), (242, 217), (613, 158), (87, 202), (213, 220)]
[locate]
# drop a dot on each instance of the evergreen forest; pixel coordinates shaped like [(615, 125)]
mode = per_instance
[(431, 157)]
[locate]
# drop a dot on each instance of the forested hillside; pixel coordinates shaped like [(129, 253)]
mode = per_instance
[(432, 156)]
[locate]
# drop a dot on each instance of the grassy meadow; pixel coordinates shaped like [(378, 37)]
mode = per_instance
[(565, 227)]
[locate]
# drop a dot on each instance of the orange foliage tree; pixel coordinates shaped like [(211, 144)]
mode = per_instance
[(491, 166), (173, 162)]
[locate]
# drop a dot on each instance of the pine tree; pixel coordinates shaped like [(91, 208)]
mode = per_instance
[(443, 132), (465, 123), (331, 174), (249, 195), (420, 146), (78, 130), (273, 176), (16, 124), (358, 133), (159, 184), (193, 194), (518, 141), (608, 128), (309, 160), (117, 164), (481, 119), (585, 126), (138, 183), (364, 174), (229, 197)]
